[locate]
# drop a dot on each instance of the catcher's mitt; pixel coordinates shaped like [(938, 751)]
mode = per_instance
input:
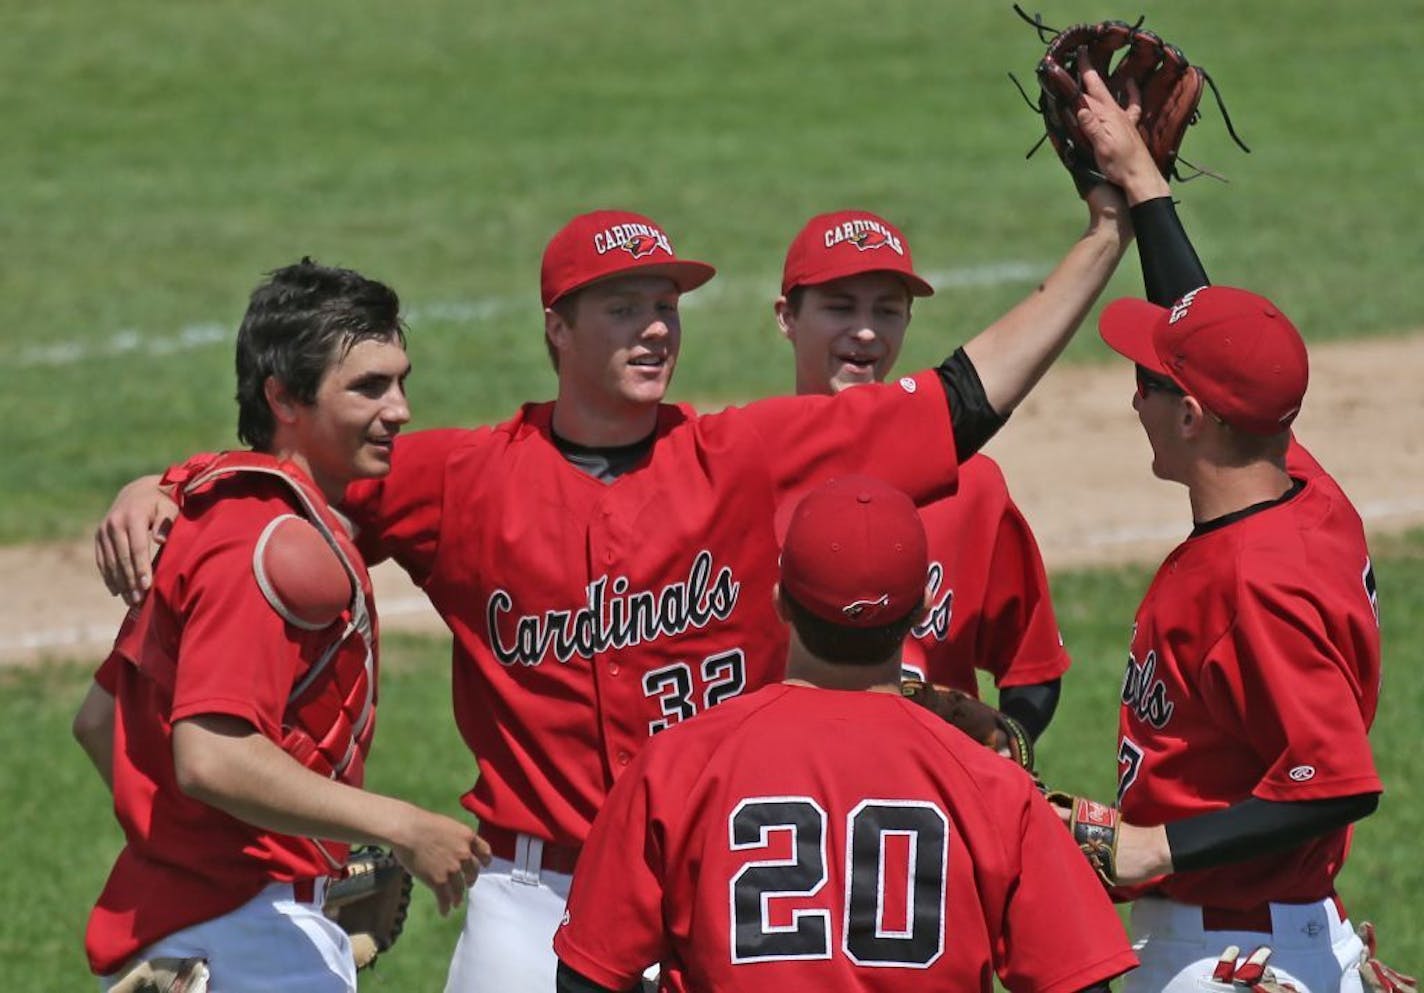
[(1378, 977), (1170, 89), (989, 727), (1094, 827), (370, 901)]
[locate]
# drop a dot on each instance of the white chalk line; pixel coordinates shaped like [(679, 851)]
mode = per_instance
[(204, 334), (1374, 513)]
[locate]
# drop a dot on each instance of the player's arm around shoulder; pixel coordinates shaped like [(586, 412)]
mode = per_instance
[(399, 515)]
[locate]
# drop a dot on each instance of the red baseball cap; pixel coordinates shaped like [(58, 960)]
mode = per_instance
[(848, 243), (1231, 349), (604, 243), (855, 553)]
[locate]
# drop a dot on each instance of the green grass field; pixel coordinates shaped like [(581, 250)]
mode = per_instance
[(62, 836), (160, 156)]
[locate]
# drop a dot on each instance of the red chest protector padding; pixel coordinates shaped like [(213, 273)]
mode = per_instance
[(330, 713)]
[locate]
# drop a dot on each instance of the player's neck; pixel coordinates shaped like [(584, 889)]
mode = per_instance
[(1216, 491), (333, 489), (598, 427), (804, 669)]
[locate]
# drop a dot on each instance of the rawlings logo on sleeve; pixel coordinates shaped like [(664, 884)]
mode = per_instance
[(613, 616)]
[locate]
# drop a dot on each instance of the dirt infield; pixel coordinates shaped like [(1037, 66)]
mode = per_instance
[(1074, 456)]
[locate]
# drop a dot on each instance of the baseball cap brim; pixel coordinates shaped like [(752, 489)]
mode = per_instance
[(1126, 325), (917, 286), (686, 274)]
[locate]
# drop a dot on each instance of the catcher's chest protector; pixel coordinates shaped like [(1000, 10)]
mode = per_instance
[(330, 713)]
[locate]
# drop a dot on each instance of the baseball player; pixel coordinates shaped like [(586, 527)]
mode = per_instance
[(846, 294), (1254, 663), (825, 832), (605, 560), (233, 717)]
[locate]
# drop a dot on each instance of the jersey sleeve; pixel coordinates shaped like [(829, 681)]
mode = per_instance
[(613, 924), (1294, 696), (398, 516), (899, 432), (237, 657), (107, 675), (1020, 642), (1061, 931)]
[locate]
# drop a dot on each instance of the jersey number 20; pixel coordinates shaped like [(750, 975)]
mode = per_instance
[(875, 932)]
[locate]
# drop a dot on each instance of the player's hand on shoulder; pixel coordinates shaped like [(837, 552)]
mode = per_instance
[(443, 853), (129, 535)]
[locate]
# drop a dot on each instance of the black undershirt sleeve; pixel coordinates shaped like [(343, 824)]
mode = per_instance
[(1257, 827), (974, 421), (1032, 706), (1170, 266), (566, 980)]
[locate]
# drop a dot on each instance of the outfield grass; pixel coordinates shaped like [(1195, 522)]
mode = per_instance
[(160, 156), (62, 838)]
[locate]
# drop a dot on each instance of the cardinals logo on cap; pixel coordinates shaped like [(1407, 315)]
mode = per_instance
[(867, 240), (640, 245), (638, 240), (865, 234)]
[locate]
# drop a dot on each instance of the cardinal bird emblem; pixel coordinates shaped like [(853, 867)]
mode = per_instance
[(866, 240), (640, 245)]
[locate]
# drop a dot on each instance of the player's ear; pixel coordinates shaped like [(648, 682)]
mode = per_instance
[(779, 602), (1191, 417), (785, 318), (556, 328), (280, 400)]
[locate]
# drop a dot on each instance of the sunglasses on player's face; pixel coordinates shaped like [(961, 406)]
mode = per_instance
[(1148, 381)]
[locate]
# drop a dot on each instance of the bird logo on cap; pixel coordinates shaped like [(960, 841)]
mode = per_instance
[(869, 239), (640, 245)]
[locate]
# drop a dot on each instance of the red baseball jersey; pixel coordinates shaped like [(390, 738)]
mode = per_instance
[(1254, 670), (590, 615), (810, 839), (990, 608), (207, 641)]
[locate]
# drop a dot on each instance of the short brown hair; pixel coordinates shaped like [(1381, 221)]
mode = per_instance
[(302, 319), (831, 642)]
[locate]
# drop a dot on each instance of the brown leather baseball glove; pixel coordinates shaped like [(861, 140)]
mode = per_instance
[(370, 901), (1094, 827), (1128, 58), (991, 728)]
